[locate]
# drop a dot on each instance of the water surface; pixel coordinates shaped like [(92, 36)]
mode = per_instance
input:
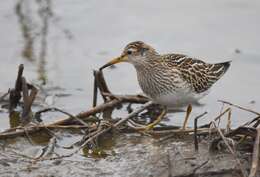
[(61, 42)]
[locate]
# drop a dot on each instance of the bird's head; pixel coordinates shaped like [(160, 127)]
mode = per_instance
[(135, 53)]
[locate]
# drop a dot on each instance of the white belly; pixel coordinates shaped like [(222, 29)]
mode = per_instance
[(168, 88), (179, 99)]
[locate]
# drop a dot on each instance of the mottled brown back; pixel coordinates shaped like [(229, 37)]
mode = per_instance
[(199, 74)]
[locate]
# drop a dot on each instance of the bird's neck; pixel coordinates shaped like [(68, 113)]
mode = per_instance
[(147, 72), (147, 64)]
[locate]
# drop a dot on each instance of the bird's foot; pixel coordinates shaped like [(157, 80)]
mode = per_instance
[(153, 124)]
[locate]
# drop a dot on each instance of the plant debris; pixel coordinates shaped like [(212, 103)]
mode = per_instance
[(94, 126)]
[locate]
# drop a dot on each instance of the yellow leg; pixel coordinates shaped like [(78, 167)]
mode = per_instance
[(189, 109), (158, 120)]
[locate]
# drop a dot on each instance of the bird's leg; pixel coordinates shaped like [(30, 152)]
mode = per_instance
[(188, 111), (157, 120)]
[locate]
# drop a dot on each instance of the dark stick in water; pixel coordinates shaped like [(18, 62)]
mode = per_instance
[(196, 130), (15, 94)]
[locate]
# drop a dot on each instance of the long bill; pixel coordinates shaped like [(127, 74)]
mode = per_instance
[(120, 59)]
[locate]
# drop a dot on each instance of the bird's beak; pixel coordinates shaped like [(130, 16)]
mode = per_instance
[(120, 59)]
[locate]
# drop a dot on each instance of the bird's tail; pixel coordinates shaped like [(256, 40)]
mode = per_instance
[(219, 69)]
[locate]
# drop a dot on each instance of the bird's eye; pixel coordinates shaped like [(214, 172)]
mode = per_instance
[(129, 52)]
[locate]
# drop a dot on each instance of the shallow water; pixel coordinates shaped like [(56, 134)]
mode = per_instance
[(62, 42)]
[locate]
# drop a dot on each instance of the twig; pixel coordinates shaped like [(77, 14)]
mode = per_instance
[(216, 118), (18, 83), (220, 115), (228, 128), (102, 107), (240, 107), (256, 124), (256, 153), (240, 130), (15, 95), (28, 136), (102, 131), (20, 131), (93, 111), (151, 125), (129, 98), (68, 127), (101, 83), (198, 167), (247, 131), (68, 121), (28, 101), (251, 121), (63, 112), (33, 94), (3, 96), (134, 113), (243, 171), (177, 131), (25, 118), (196, 129), (95, 91), (49, 149)]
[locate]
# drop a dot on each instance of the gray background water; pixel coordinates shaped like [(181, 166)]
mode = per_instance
[(64, 41)]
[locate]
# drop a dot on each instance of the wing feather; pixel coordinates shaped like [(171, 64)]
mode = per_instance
[(199, 74)]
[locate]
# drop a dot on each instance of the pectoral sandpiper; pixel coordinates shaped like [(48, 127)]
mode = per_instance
[(171, 79), (174, 80)]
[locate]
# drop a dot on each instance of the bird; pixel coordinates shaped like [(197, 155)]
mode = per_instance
[(172, 80)]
